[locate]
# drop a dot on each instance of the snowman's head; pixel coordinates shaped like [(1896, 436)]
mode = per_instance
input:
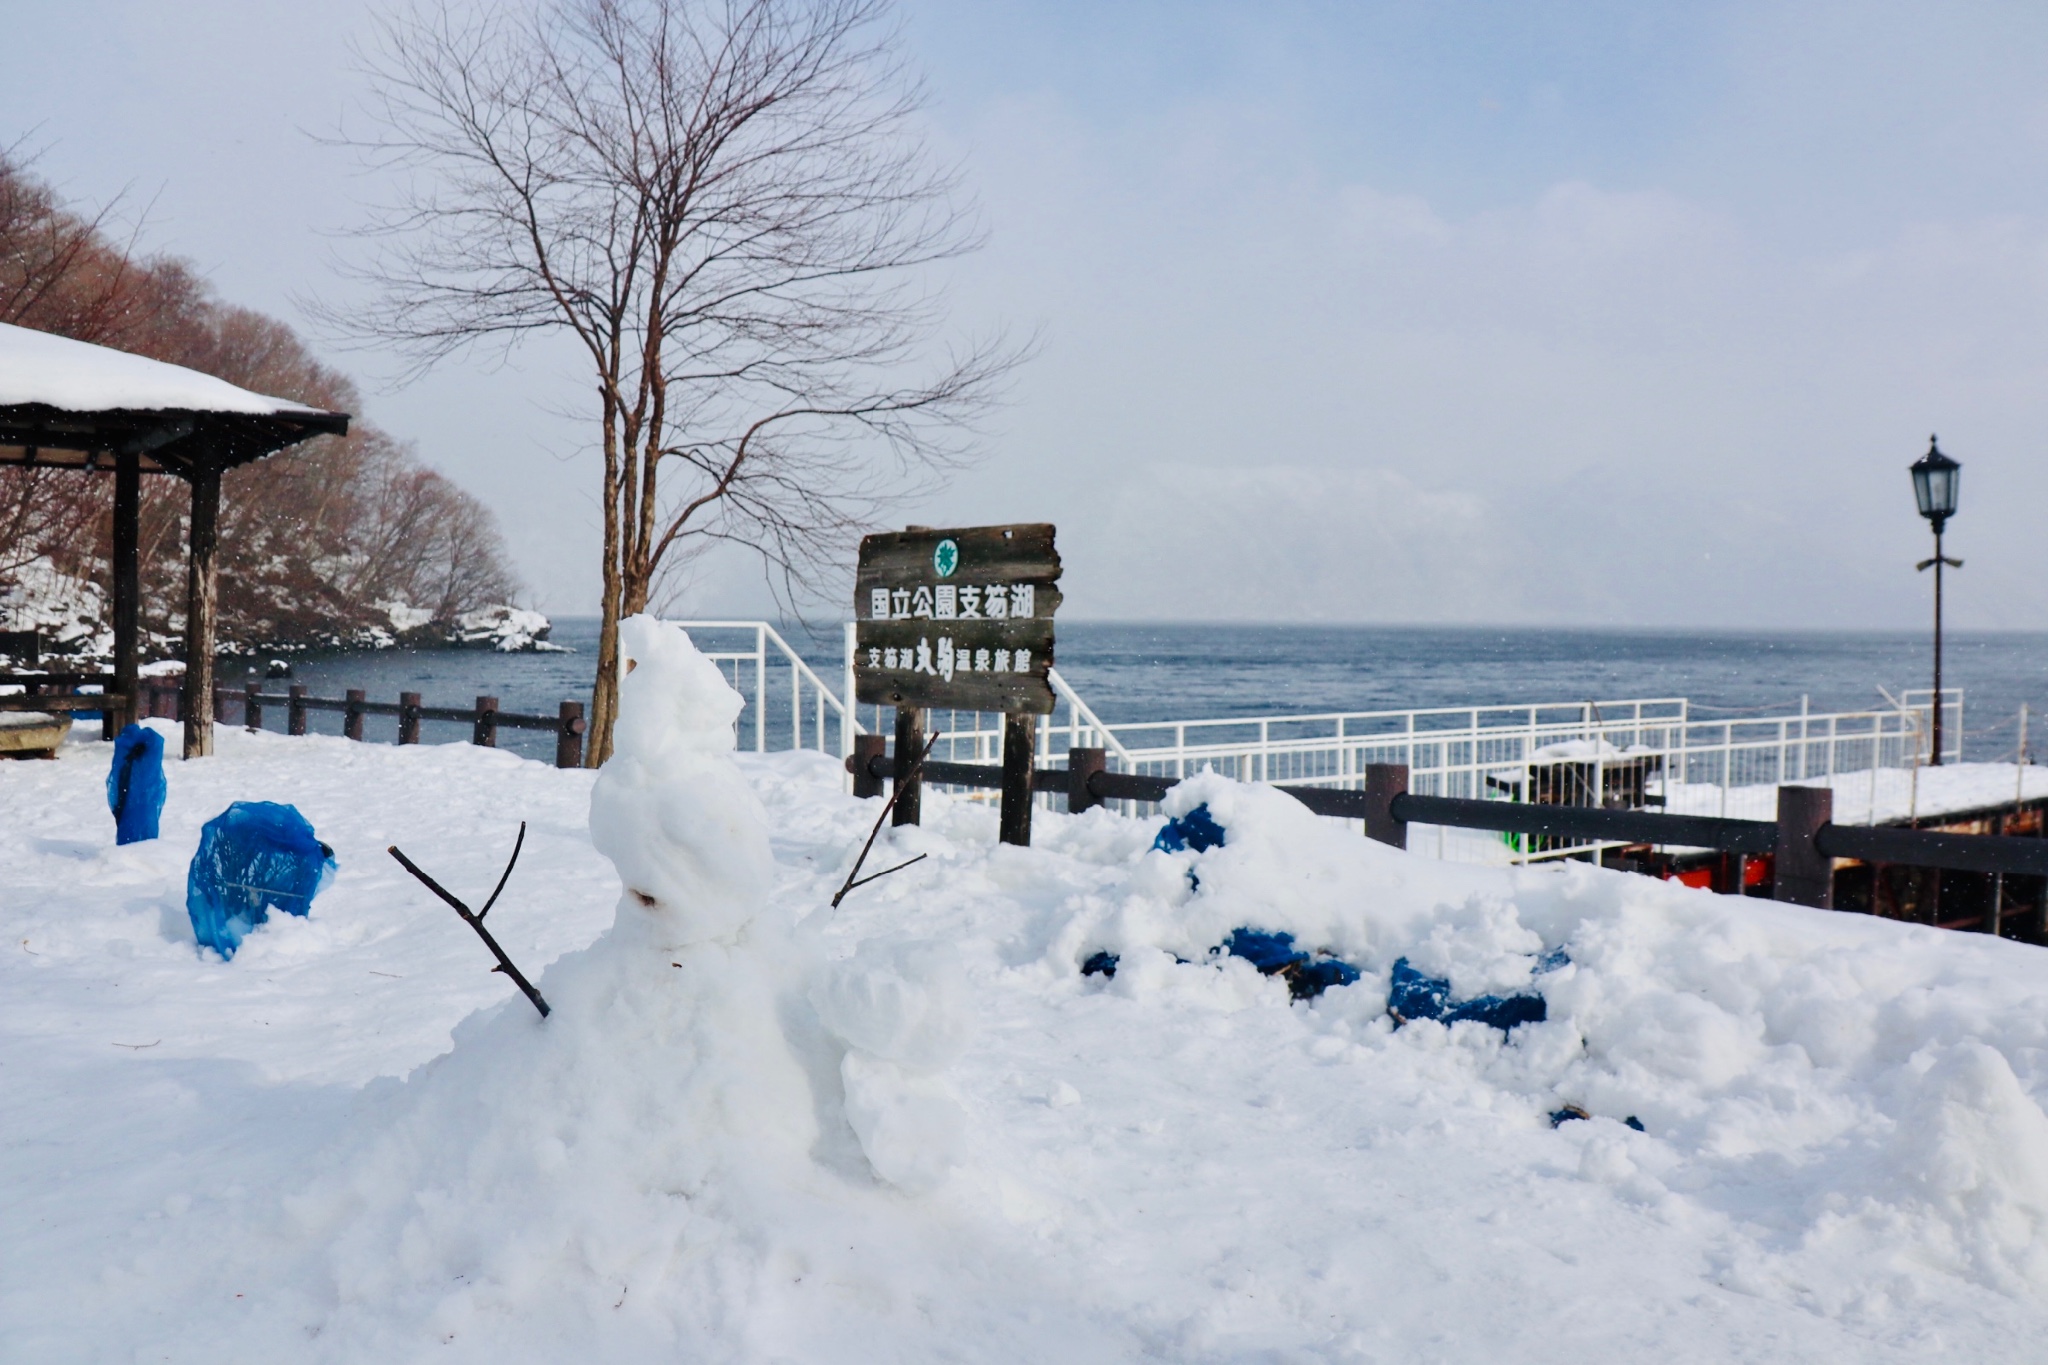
[(670, 696)]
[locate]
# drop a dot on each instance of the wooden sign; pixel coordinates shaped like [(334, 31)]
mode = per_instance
[(959, 619)]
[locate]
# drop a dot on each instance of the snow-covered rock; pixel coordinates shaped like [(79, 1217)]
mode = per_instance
[(509, 630), (405, 619)]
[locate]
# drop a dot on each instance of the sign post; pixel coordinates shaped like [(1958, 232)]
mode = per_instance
[(960, 620)]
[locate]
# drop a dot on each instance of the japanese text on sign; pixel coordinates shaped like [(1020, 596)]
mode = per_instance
[(955, 602), (945, 660)]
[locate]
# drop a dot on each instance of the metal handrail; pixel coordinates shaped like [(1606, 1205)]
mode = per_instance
[(1085, 715)]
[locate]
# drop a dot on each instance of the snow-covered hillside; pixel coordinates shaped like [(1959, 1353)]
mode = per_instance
[(913, 1129)]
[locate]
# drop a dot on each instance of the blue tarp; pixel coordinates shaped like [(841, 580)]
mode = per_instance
[(253, 856), (1412, 996), (1197, 830), (1269, 952), (135, 784), (1274, 954)]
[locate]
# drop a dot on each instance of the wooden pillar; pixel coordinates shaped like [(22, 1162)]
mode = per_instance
[(486, 731), (1083, 764), (127, 588), (1804, 875), (408, 717), (1020, 749), (909, 783), (1384, 782), (866, 749), (295, 711), (202, 585), (252, 705), (569, 735), (352, 712)]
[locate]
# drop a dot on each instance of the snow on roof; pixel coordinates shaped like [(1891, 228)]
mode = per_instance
[(76, 376)]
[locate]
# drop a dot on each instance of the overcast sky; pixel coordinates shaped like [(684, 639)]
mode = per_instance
[(1433, 312)]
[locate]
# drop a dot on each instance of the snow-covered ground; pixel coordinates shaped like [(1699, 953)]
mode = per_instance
[(1886, 796), (911, 1129)]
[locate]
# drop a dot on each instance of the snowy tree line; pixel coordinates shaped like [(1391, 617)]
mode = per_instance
[(316, 543)]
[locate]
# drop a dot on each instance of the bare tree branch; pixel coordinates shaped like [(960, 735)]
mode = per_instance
[(727, 204)]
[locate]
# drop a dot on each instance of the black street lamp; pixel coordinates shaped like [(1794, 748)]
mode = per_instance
[(1935, 479)]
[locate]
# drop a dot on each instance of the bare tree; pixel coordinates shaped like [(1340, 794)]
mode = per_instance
[(725, 203)]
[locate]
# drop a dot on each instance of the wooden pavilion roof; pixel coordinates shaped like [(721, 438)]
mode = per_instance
[(74, 405)]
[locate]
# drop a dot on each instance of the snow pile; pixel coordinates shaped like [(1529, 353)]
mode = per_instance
[(660, 1158), (573, 1158), (76, 376), (913, 1129)]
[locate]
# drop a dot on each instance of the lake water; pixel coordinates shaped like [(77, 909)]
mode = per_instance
[(1178, 671)]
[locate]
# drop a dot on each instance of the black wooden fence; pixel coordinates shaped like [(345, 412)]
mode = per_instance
[(165, 698), (1802, 841)]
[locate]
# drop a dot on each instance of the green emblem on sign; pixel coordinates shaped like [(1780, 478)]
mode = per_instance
[(946, 558)]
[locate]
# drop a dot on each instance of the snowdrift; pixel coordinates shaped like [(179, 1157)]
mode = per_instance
[(754, 1129)]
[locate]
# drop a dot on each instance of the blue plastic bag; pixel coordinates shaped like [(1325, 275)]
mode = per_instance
[(1274, 954), (1197, 830), (135, 784), (1411, 996), (1269, 952), (252, 856)]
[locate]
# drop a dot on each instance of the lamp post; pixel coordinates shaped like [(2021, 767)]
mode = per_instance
[(1935, 478)]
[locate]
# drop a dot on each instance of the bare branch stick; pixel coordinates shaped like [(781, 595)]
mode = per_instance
[(916, 767), (517, 844), (877, 876), (476, 921)]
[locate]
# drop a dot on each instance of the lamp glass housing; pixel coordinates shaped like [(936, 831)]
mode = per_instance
[(1936, 481)]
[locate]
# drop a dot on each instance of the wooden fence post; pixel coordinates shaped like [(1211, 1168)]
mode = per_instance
[(252, 706), (352, 713), (408, 717), (1803, 874), (909, 783), (486, 731), (295, 711), (1384, 782), (866, 749), (1083, 764), (569, 735), (1020, 748)]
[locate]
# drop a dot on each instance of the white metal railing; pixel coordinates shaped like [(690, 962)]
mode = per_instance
[(1651, 752), (1654, 752)]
